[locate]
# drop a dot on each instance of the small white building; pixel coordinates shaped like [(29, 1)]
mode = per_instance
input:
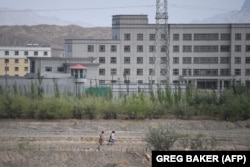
[(14, 60)]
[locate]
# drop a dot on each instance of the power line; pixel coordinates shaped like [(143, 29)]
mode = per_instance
[(122, 7)]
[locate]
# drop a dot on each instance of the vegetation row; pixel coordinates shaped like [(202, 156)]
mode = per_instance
[(229, 104)]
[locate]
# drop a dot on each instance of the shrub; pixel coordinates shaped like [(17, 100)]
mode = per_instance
[(161, 138)]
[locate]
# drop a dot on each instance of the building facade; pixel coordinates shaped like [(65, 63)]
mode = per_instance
[(205, 55), (14, 60)]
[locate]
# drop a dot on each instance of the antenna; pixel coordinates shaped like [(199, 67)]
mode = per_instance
[(161, 56)]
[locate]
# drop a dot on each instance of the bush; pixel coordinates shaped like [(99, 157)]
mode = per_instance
[(161, 139)]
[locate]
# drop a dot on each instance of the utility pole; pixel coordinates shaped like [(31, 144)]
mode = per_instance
[(161, 56)]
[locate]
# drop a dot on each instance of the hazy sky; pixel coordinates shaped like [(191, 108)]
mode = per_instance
[(99, 12)]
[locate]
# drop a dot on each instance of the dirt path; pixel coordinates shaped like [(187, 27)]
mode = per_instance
[(75, 142)]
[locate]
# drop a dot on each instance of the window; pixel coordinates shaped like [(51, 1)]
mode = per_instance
[(139, 71), (175, 71), (237, 48), (101, 48), (26, 69), (187, 48), (163, 36), (101, 71), (247, 72), (6, 53), (186, 60), (6, 61), (16, 53), (127, 81), (237, 72), (26, 61), (205, 72), (151, 72), (6, 68), (126, 72), (113, 48), (186, 72), (237, 36), (225, 37), (248, 36), (113, 60), (69, 48), (113, 71), (139, 60), (151, 60), (204, 48), (206, 60), (206, 37), (101, 82), (225, 48), (176, 60), (225, 60), (247, 60), (16, 68), (48, 69), (163, 48), (139, 37), (151, 48), (126, 60), (237, 60), (247, 48), (16, 61), (151, 37), (45, 53), (139, 48), (36, 53), (26, 53), (224, 72), (90, 48), (102, 60), (60, 69), (187, 37), (176, 37), (163, 72), (127, 37), (126, 48), (175, 48), (163, 60)]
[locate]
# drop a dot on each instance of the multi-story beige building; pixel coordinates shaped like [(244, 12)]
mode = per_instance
[(14, 60), (206, 55)]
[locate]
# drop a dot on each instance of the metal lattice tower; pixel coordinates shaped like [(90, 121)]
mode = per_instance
[(161, 56)]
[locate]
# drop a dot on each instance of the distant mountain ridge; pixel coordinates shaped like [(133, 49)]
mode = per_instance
[(52, 35), (242, 16), (29, 17)]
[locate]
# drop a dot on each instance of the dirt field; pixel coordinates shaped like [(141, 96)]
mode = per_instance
[(29, 143)]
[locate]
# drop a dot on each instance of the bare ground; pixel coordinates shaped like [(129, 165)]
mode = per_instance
[(28, 143)]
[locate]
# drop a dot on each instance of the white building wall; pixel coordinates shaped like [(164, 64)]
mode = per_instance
[(138, 24)]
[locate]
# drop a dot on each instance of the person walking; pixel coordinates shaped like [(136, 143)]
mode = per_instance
[(101, 138), (112, 137)]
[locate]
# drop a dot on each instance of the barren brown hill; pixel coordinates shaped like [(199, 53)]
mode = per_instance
[(52, 35)]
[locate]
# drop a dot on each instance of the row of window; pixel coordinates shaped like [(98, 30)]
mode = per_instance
[(210, 48), (176, 48), (26, 53), (16, 69), (176, 72), (176, 60), (6, 61), (210, 37), (189, 37)]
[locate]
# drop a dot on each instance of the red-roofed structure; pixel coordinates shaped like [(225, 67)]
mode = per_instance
[(78, 67)]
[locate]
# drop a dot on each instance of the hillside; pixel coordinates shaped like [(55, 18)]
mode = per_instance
[(241, 16), (52, 35)]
